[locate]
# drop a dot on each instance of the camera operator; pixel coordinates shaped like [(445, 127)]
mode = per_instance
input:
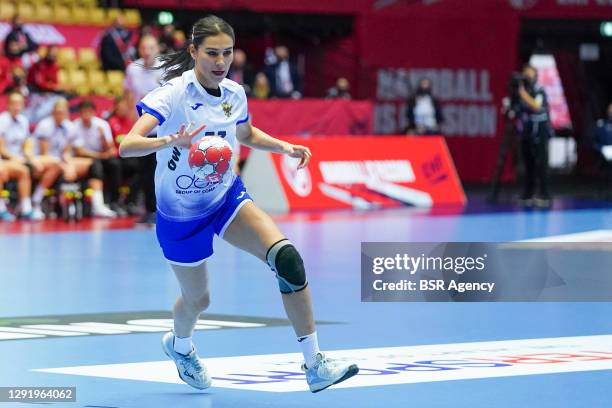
[(536, 132)]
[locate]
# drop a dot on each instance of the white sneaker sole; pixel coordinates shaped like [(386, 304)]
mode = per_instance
[(350, 372), (188, 380)]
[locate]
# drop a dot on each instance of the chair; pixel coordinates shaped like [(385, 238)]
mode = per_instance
[(97, 16), (25, 9), (98, 83), (61, 14), (79, 82), (115, 82), (66, 56), (111, 14), (132, 17), (43, 12), (88, 58), (7, 10)]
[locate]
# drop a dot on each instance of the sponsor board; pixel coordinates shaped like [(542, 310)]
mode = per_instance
[(386, 365), (357, 172)]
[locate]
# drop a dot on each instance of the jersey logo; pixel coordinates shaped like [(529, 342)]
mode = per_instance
[(227, 109), (176, 155), (196, 106), (242, 193)]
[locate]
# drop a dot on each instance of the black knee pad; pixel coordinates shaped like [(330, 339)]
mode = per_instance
[(288, 266)]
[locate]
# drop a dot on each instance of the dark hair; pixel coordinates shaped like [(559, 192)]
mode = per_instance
[(86, 104), (175, 63)]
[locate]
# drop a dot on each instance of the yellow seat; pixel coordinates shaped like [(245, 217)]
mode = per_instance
[(88, 3), (111, 14), (44, 12), (88, 58), (64, 81), (132, 17), (62, 14), (7, 10), (79, 81), (25, 9), (66, 56), (80, 15), (98, 83), (115, 82), (97, 16)]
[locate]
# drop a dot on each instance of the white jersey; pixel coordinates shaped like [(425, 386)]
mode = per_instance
[(14, 131), (140, 80), (90, 138), (180, 194), (58, 136)]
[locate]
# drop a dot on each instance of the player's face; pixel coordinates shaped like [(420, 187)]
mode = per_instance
[(213, 59), (15, 104)]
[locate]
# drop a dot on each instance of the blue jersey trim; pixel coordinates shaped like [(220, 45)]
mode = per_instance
[(243, 120), (142, 107)]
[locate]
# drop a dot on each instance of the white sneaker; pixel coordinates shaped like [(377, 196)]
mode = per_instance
[(35, 215), (103, 211), (327, 372), (189, 367)]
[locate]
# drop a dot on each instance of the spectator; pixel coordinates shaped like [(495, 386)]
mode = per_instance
[(94, 140), (261, 87), (19, 83), (140, 79), (18, 161), (167, 41), (341, 90), (603, 132), (115, 50), (6, 77), (56, 138), (120, 123), (18, 42), (283, 75), (537, 131), (43, 76), (423, 113), (241, 72)]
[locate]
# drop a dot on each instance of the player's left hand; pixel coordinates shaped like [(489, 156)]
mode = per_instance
[(299, 152)]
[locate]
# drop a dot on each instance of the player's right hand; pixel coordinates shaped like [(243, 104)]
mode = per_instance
[(184, 136)]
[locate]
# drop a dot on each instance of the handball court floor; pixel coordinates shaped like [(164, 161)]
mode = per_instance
[(110, 279)]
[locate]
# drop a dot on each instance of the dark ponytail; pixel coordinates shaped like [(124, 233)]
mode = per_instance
[(175, 63)]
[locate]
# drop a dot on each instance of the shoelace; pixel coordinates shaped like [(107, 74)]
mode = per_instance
[(193, 363)]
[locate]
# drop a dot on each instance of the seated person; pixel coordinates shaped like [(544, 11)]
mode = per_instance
[(16, 148), (56, 137), (94, 140)]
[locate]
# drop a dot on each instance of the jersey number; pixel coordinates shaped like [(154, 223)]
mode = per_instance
[(220, 133)]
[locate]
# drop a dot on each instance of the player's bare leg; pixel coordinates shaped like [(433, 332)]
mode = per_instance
[(255, 232), (194, 299)]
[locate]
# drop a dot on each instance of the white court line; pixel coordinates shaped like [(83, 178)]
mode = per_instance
[(587, 236), (386, 365)]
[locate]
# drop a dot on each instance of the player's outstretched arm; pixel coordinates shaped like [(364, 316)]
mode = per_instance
[(256, 138), (136, 143)]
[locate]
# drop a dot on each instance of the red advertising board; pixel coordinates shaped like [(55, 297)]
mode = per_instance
[(357, 172)]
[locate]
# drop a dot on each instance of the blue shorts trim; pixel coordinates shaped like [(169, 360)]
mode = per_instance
[(189, 243), (142, 107)]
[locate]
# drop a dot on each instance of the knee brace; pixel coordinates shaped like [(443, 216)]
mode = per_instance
[(288, 266)]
